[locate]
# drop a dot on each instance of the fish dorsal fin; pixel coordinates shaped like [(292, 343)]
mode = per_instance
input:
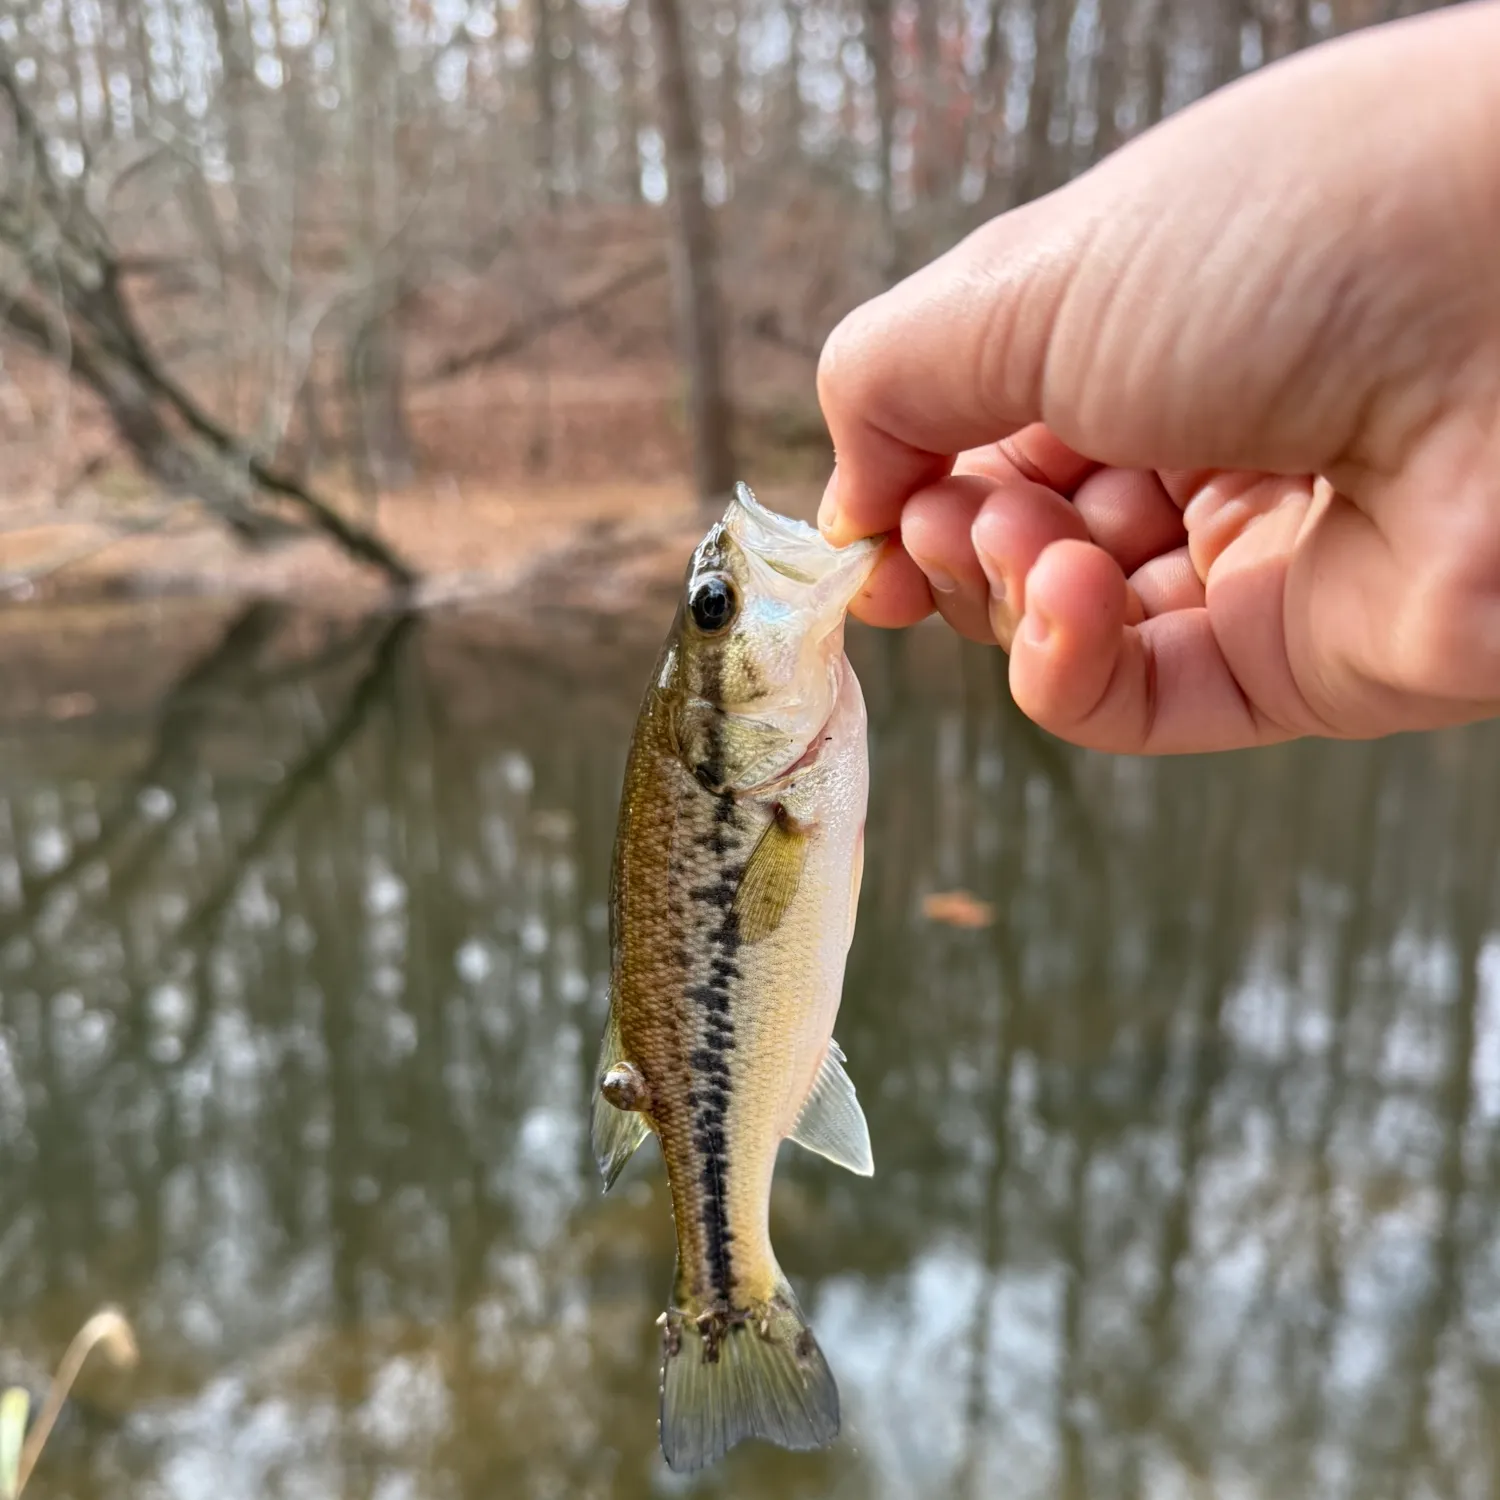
[(832, 1123), (771, 878), (617, 1133)]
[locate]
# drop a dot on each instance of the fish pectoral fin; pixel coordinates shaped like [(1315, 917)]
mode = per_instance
[(772, 875), (618, 1127), (831, 1123)]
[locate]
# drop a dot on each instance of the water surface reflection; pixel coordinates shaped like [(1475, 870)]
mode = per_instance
[(1187, 1164)]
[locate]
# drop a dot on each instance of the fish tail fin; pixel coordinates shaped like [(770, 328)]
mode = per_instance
[(752, 1374)]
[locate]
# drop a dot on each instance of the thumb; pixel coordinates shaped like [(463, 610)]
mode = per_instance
[(977, 323)]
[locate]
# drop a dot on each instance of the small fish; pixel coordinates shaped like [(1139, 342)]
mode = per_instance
[(735, 881)]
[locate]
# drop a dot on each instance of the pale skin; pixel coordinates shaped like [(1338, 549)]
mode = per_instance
[(1209, 439)]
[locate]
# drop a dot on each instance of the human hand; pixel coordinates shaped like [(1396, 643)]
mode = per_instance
[(1210, 438)]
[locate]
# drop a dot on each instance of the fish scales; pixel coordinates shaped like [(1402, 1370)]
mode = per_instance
[(678, 986), (733, 891)]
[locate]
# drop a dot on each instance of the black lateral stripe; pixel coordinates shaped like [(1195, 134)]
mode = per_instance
[(710, 995)]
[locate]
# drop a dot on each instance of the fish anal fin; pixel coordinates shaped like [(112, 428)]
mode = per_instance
[(856, 878), (831, 1123), (772, 875), (731, 1376), (618, 1129)]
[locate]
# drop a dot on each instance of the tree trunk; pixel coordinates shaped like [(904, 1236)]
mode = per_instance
[(700, 319), (1228, 24), (544, 62), (1289, 32), (1038, 173), (933, 158), (630, 98), (996, 151), (374, 364), (143, 103), (1158, 43), (1110, 64), (238, 90), (793, 119), (583, 129), (75, 77), (729, 112), (878, 43)]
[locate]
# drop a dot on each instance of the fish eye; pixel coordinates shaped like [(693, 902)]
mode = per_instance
[(713, 605)]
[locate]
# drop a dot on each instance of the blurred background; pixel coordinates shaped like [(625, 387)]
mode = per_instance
[(1183, 1080), (1183, 1077), (418, 254)]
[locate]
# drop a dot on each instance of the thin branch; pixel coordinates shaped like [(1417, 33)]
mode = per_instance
[(353, 538), (126, 345), (527, 330), (305, 776), (766, 326)]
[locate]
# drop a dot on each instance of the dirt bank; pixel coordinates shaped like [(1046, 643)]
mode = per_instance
[(591, 541), (96, 624)]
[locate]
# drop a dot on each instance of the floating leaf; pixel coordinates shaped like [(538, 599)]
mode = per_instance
[(957, 909), (71, 705)]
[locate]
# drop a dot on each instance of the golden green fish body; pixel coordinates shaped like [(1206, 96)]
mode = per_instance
[(729, 1033), (736, 876)]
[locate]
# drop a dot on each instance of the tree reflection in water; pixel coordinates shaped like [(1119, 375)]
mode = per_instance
[(1186, 1165)]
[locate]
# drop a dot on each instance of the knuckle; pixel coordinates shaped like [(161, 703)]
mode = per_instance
[(841, 361), (1446, 630), (1447, 637)]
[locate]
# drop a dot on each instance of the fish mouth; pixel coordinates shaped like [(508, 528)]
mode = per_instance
[(798, 552)]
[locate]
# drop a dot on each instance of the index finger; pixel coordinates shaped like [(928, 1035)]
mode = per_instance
[(951, 358)]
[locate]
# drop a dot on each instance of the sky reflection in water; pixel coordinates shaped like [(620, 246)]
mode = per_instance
[(1186, 1165)]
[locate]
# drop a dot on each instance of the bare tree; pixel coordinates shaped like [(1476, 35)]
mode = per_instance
[(700, 319), (332, 199), (544, 72), (1049, 73), (877, 27), (374, 355), (1110, 75), (66, 296)]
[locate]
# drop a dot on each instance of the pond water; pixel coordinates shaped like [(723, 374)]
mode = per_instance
[(1188, 1159)]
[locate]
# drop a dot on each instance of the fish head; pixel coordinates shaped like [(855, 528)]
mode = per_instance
[(759, 642)]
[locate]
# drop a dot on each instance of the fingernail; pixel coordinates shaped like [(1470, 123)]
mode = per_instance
[(939, 578), (1003, 623), (1036, 628), (992, 569), (1003, 619), (828, 507)]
